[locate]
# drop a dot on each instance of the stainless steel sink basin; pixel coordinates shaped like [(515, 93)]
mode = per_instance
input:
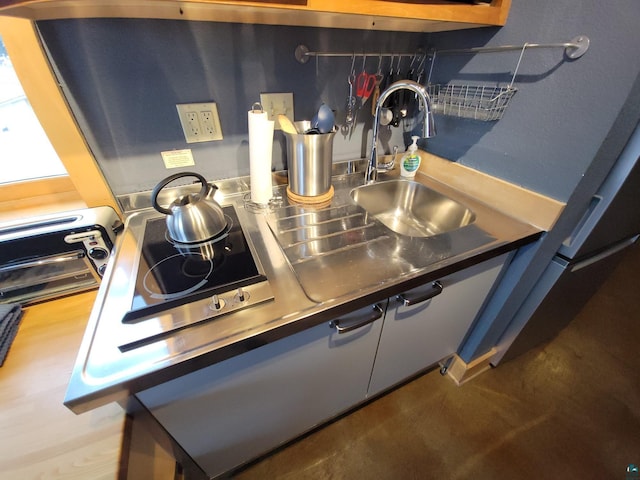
[(412, 209)]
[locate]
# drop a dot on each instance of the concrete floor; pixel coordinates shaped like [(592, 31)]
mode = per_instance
[(567, 410)]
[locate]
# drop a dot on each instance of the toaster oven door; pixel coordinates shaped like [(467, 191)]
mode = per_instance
[(37, 279)]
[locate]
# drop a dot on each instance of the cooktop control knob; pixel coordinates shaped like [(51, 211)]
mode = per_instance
[(242, 296), (217, 303)]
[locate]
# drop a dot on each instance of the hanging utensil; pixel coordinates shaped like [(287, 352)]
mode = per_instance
[(364, 84), (364, 87), (376, 90), (397, 99), (420, 76), (351, 105), (411, 73), (347, 127), (386, 113), (410, 104)]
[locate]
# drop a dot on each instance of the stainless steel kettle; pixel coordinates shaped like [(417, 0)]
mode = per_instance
[(194, 217)]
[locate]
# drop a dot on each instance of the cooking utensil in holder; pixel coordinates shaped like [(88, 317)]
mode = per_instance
[(487, 103)]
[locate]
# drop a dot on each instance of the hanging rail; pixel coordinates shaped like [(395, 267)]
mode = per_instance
[(303, 54), (573, 49), (466, 101)]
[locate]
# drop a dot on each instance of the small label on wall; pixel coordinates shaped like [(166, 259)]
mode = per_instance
[(177, 158)]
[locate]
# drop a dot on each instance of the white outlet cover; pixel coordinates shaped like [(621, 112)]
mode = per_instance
[(206, 125)]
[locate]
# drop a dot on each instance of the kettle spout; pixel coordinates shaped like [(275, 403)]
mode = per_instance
[(211, 190)]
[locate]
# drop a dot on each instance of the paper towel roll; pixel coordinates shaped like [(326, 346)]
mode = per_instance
[(260, 149)]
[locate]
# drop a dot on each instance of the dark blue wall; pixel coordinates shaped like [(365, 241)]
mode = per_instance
[(561, 134), (563, 109), (123, 78)]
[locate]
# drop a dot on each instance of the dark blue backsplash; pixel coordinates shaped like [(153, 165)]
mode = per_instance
[(123, 78)]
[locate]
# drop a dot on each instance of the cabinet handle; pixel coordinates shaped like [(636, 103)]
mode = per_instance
[(370, 318), (436, 289)]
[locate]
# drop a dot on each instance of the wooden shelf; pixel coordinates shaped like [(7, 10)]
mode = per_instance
[(407, 15)]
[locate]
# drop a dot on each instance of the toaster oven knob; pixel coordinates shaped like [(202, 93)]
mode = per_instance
[(101, 269), (98, 253)]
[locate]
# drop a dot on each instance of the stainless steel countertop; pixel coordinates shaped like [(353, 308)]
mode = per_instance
[(103, 373)]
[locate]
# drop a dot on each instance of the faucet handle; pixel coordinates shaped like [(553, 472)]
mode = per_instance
[(386, 166)]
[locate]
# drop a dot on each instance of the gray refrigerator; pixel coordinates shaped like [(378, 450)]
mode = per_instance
[(588, 256)]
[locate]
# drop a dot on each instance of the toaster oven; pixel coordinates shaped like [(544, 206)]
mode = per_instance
[(49, 256)]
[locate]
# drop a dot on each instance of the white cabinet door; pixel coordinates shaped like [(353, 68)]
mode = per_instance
[(233, 411), (417, 336)]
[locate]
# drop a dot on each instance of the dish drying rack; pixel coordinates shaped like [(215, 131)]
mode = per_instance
[(468, 101), (483, 102)]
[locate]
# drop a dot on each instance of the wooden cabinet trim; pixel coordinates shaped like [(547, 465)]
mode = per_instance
[(50, 106), (358, 14)]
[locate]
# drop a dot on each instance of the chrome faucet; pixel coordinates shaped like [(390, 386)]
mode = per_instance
[(428, 129)]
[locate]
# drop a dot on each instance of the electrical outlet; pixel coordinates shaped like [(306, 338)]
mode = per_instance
[(277, 103), (193, 124), (206, 122), (200, 122)]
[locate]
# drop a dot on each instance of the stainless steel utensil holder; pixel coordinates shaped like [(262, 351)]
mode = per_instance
[(309, 160)]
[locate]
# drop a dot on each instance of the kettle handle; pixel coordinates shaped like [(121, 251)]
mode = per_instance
[(167, 181)]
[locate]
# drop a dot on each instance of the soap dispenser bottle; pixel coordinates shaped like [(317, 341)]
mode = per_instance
[(411, 160)]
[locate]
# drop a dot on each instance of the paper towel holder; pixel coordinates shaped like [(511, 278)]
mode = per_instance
[(275, 200)]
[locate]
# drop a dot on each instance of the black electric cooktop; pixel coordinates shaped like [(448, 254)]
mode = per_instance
[(171, 274)]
